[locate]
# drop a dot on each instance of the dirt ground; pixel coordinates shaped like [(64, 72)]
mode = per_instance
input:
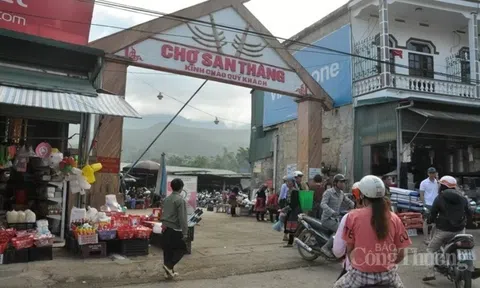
[(223, 247)]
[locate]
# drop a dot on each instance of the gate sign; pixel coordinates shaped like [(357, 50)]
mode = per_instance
[(62, 20), (207, 50)]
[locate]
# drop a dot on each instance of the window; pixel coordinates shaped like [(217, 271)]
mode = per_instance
[(420, 64), (391, 44), (464, 57)]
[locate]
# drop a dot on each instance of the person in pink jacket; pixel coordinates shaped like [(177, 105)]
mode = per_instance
[(339, 245)]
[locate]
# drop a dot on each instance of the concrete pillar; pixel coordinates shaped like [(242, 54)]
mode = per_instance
[(309, 135), (384, 43), (473, 49), (109, 136)]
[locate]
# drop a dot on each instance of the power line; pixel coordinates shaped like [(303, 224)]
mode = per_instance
[(200, 110), (231, 28), (335, 51), (166, 126)]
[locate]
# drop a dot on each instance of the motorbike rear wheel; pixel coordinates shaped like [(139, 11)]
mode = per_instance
[(465, 280), (306, 236)]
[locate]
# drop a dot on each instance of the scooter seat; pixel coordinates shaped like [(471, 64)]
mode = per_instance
[(315, 223), (451, 245)]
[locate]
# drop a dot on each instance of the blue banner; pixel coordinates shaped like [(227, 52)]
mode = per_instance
[(332, 70)]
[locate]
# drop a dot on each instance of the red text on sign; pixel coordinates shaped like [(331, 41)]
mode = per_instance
[(222, 63)]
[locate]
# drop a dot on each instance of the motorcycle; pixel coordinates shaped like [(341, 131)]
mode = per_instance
[(312, 237), (455, 260)]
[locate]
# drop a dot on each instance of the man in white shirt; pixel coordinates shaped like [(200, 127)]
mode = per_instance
[(428, 193)]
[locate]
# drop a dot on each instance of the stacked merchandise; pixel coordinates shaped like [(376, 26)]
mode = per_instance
[(95, 234), (20, 246), (411, 220), (406, 199)]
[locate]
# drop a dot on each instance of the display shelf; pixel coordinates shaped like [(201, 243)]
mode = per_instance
[(58, 200), (56, 217)]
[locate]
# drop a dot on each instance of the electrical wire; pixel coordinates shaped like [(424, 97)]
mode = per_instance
[(193, 107), (166, 126), (334, 51), (238, 29)]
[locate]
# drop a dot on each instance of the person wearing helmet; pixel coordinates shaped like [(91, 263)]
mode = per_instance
[(299, 185), (449, 212), (376, 239), (332, 200), (339, 245)]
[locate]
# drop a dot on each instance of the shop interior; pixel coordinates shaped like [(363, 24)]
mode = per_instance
[(32, 152), (456, 156)]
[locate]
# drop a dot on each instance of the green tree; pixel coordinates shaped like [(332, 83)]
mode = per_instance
[(174, 160), (234, 161)]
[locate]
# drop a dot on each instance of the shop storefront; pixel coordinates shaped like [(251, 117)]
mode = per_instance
[(441, 136), (45, 86)]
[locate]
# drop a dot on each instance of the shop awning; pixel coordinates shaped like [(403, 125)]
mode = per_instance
[(454, 116), (104, 104)]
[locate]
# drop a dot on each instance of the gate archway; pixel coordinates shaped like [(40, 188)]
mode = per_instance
[(219, 40)]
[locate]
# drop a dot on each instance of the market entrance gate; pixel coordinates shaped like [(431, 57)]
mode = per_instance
[(218, 40)]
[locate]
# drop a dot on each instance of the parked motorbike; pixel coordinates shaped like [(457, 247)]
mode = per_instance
[(312, 238), (455, 260)]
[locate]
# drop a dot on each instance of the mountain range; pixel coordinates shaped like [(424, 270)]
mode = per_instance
[(184, 137)]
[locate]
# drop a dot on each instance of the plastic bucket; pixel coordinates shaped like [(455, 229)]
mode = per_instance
[(306, 200)]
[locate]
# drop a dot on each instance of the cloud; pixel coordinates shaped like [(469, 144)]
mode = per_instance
[(220, 100)]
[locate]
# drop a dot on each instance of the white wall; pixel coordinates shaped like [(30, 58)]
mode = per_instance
[(445, 41)]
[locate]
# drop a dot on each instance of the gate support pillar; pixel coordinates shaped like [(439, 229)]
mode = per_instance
[(109, 136), (309, 135)]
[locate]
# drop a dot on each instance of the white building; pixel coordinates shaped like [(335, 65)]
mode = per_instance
[(414, 91)]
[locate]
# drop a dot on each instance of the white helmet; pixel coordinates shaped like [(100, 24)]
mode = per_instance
[(372, 187), (285, 178), (448, 181), (297, 174)]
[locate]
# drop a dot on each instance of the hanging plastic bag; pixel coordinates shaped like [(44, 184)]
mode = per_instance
[(75, 186), (89, 174)]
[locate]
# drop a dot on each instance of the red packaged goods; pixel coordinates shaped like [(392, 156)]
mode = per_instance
[(44, 241), (126, 232), (3, 247), (6, 235), (143, 232), (134, 220), (23, 242), (120, 220)]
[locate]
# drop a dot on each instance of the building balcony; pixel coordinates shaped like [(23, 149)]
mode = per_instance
[(416, 85)]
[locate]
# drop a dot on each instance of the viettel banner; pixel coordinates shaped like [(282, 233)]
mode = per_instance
[(62, 20)]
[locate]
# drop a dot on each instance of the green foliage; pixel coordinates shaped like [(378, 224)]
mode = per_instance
[(234, 161)]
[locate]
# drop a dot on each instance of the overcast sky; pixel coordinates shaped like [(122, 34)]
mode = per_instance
[(284, 19)]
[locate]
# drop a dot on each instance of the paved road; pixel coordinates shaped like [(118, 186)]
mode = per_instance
[(313, 277)]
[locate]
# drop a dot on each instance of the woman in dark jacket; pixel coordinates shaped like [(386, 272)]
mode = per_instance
[(291, 223), (261, 203)]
